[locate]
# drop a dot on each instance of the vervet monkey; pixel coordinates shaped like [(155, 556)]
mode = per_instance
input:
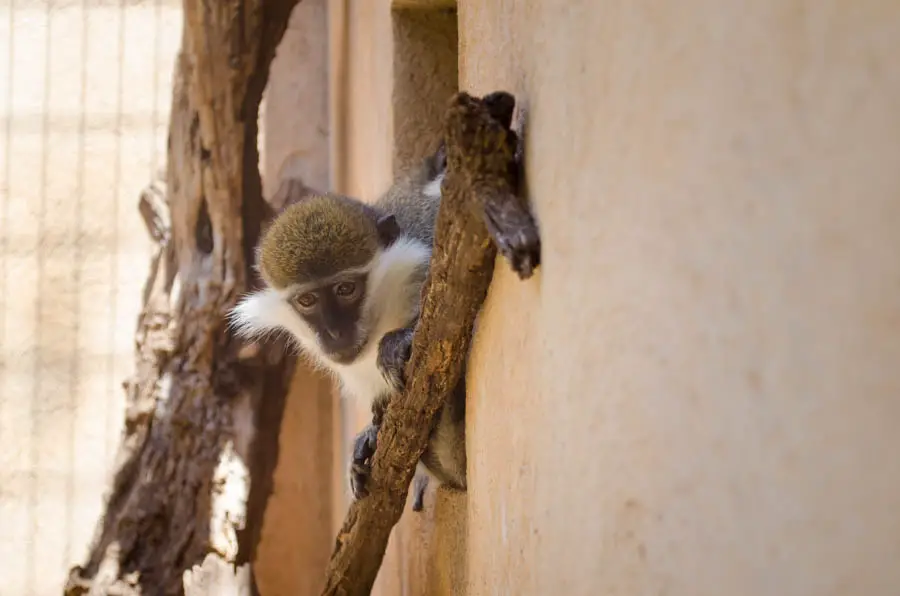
[(341, 276)]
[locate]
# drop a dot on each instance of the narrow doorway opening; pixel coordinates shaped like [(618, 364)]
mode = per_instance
[(426, 75)]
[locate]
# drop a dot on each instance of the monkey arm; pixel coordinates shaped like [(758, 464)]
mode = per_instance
[(479, 205), (393, 354)]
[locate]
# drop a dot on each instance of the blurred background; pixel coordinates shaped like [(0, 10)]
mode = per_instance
[(85, 93)]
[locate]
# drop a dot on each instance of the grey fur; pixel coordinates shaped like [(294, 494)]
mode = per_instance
[(445, 455)]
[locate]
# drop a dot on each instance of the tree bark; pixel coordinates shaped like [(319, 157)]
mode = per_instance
[(479, 204), (192, 474)]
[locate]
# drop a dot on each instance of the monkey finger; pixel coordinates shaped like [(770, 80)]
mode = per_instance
[(359, 478), (394, 352), (515, 233), (365, 444), (500, 105)]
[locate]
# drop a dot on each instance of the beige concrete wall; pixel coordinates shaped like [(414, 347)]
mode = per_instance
[(294, 116), (84, 101), (697, 394)]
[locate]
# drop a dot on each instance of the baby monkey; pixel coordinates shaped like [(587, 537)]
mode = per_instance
[(343, 278)]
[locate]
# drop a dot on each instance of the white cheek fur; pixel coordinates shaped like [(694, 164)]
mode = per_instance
[(391, 298), (266, 312)]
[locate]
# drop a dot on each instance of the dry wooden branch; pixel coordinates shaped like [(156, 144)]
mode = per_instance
[(180, 490), (479, 203)]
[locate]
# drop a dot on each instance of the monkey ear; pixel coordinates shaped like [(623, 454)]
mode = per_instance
[(388, 229)]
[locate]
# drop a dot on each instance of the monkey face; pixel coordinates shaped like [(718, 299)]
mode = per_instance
[(333, 310), (333, 300)]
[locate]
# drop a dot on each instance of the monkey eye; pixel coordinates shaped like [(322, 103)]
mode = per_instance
[(307, 300), (345, 289)]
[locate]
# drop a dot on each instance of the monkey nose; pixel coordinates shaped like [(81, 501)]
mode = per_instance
[(335, 334)]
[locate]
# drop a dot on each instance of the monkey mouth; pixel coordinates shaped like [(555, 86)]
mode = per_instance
[(344, 356), (348, 354)]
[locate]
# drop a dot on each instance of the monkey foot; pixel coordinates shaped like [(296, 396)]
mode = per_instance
[(509, 219), (515, 233), (393, 354), (361, 461)]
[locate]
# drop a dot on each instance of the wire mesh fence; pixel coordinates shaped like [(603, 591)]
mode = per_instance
[(85, 87)]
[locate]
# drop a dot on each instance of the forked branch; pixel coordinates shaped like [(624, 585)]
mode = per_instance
[(480, 212)]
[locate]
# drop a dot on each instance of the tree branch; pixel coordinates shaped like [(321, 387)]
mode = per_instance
[(479, 204)]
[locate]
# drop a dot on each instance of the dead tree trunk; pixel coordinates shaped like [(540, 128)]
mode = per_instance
[(192, 478)]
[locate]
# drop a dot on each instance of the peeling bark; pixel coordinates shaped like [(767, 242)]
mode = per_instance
[(182, 488), (479, 214)]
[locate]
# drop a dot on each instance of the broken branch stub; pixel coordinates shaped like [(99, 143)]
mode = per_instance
[(479, 203)]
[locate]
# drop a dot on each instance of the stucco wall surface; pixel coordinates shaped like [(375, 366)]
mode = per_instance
[(697, 395)]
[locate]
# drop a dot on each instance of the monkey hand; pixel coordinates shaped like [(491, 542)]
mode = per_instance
[(361, 461), (393, 354)]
